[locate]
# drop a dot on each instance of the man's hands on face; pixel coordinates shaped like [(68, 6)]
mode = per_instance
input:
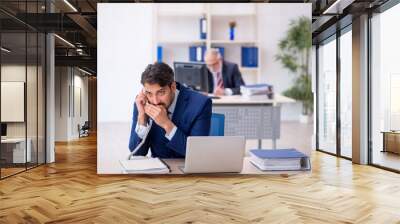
[(140, 104), (159, 115)]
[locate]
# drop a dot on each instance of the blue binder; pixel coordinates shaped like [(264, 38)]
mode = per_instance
[(278, 153), (249, 57), (203, 28), (196, 53), (159, 53)]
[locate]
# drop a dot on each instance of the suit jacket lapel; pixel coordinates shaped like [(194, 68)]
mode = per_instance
[(210, 82), (225, 75), (181, 103)]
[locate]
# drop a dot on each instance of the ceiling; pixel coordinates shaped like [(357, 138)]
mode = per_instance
[(77, 22)]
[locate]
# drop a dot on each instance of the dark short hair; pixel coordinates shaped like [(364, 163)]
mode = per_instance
[(158, 73)]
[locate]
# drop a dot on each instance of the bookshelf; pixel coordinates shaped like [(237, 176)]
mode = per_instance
[(177, 27)]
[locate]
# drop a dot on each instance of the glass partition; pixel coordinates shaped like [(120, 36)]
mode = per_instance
[(13, 103), (22, 77)]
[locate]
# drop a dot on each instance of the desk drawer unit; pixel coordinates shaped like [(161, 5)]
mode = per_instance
[(15, 152), (251, 121)]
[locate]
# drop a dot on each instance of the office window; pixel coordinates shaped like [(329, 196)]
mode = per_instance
[(385, 89), (327, 96), (346, 93)]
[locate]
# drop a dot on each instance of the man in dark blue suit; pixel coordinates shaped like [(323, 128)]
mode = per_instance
[(224, 78), (166, 113)]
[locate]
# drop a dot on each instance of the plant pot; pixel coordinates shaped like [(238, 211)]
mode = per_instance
[(305, 119)]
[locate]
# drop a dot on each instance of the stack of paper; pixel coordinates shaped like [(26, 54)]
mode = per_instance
[(280, 159), (144, 165), (257, 89)]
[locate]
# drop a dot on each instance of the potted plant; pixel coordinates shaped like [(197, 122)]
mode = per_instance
[(294, 54), (232, 26)]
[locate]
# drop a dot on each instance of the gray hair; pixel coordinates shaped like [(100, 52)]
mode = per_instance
[(214, 52)]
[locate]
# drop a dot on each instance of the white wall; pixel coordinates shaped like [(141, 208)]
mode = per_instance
[(61, 103), (17, 73), (68, 82), (273, 22), (33, 127), (125, 48), (81, 104)]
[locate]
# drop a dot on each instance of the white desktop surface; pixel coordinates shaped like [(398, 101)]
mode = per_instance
[(176, 165), (260, 99), (19, 150), (12, 140)]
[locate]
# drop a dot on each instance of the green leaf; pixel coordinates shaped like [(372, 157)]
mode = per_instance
[(294, 54)]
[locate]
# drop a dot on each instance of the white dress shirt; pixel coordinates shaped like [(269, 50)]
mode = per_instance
[(142, 130)]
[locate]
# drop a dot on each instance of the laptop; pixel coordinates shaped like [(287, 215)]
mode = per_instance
[(214, 154)]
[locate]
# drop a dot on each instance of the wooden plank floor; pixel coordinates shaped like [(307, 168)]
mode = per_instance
[(70, 191)]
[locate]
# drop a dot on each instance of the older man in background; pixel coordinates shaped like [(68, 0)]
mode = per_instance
[(224, 77)]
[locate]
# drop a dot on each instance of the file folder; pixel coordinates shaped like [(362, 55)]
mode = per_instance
[(279, 159)]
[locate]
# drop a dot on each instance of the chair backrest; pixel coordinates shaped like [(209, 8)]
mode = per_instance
[(217, 124), (86, 125)]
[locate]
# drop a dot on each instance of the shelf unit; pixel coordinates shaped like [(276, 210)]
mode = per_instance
[(177, 26)]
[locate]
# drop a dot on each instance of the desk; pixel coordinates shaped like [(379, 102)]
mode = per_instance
[(114, 167), (13, 150), (113, 137), (255, 117)]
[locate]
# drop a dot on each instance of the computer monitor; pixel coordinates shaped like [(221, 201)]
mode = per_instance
[(193, 75), (3, 129)]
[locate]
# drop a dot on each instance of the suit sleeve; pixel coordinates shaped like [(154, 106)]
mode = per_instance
[(237, 80), (200, 127), (134, 140)]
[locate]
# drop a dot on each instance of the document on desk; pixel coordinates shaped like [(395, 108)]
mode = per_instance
[(144, 165)]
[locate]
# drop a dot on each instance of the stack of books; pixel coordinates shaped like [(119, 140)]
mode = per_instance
[(144, 165), (280, 159), (257, 89)]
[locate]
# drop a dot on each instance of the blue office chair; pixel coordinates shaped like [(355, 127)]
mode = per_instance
[(217, 124)]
